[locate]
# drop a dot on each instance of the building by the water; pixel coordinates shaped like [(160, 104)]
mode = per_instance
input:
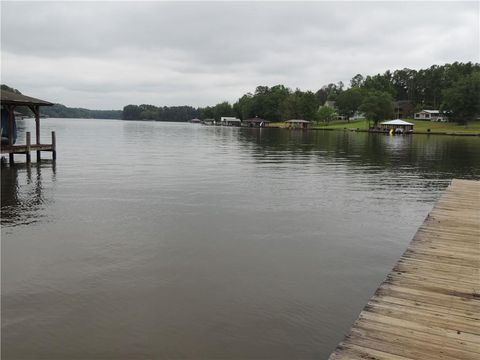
[(9, 102)]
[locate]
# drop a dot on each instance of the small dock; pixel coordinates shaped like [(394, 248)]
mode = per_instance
[(428, 307)]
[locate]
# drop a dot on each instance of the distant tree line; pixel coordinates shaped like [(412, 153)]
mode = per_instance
[(162, 113), (62, 111), (276, 103), (452, 88)]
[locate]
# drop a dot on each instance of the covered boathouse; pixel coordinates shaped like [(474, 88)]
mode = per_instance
[(256, 122), (9, 102), (398, 126), (298, 124)]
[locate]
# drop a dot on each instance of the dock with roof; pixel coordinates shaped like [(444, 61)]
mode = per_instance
[(10, 101)]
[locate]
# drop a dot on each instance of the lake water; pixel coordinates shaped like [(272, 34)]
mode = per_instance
[(166, 240)]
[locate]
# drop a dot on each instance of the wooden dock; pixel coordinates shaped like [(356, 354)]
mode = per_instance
[(10, 101), (428, 307), (28, 147)]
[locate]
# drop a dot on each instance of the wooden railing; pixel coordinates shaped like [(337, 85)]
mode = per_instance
[(28, 147)]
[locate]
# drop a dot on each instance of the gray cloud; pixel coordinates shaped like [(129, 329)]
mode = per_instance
[(108, 54)]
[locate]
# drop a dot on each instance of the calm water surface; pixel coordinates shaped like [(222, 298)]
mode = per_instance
[(163, 240)]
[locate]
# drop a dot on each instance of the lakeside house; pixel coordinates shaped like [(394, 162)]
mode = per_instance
[(357, 116), (332, 104), (256, 122), (230, 121), (398, 126), (432, 115), (298, 124)]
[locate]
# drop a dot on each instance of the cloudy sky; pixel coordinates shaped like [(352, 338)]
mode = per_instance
[(104, 55)]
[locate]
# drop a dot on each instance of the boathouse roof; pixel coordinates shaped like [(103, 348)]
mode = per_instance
[(396, 122), (10, 98)]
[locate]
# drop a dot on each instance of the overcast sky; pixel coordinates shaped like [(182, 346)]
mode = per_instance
[(104, 55)]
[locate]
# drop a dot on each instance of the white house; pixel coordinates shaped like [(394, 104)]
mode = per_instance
[(230, 121), (432, 115), (357, 116)]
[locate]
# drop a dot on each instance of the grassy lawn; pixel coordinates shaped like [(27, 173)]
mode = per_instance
[(333, 125), (359, 124), (278, 124), (421, 126)]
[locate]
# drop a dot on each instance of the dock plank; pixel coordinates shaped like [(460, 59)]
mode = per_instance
[(428, 306)]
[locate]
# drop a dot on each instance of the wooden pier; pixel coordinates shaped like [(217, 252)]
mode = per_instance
[(10, 101), (28, 147), (428, 307)]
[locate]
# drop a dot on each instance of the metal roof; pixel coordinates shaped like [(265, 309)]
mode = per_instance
[(430, 111), (10, 98), (396, 122)]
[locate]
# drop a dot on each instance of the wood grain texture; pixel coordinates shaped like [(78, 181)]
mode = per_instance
[(428, 307)]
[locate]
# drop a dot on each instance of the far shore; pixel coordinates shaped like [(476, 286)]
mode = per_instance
[(423, 127), (472, 128)]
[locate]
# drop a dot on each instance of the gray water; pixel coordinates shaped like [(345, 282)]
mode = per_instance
[(163, 240)]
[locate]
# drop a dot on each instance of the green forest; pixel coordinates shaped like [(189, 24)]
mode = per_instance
[(454, 89), (62, 111)]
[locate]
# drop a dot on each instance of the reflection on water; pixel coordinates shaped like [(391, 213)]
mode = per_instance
[(23, 200), (157, 240), (428, 156)]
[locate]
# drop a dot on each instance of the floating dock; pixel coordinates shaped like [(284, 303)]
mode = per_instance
[(428, 307)]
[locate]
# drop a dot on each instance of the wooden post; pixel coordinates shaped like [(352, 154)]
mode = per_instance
[(29, 159), (11, 158), (37, 129), (10, 124), (54, 146)]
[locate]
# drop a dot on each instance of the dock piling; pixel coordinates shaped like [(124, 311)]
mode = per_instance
[(54, 146), (29, 158)]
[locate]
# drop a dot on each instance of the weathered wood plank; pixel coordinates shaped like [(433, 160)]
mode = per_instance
[(21, 149), (468, 304), (428, 307), (352, 351)]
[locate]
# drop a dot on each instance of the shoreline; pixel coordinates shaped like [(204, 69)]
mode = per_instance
[(413, 133), (278, 126), (376, 132)]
